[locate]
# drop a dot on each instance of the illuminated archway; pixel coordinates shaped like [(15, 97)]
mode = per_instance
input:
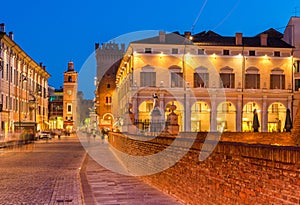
[(248, 116), (107, 120), (179, 111), (276, 117), (226, 117), (200, 117)]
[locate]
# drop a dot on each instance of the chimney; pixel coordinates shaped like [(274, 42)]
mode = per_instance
[(187, 34), (96, 46), (264, 39), (44, 67), (11, 35), (162, 36), (70, 66), (41, 64), (2, 27), (238, 39)]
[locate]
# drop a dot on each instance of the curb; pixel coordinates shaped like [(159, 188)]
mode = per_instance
[(86, 192)]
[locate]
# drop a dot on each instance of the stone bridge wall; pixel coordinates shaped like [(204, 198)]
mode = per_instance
[(245, 168)]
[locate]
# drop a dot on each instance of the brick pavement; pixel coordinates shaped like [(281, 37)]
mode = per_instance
[(105, 187), (46, 172)]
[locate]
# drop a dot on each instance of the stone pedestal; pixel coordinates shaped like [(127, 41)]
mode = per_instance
[(128, 125), (172, 121), (157, 122)]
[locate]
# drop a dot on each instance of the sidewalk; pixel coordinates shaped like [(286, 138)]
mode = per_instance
[(102, 186)]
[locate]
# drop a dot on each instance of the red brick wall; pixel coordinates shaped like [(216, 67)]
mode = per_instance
[(250, 171)]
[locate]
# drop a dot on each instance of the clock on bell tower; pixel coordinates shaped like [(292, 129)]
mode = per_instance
[(70, 98)]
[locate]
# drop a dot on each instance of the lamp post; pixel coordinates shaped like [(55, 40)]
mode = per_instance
[(23, 78), (34, 96)]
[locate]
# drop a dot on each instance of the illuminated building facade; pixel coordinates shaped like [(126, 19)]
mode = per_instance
[(56, 121), (216, 82), (23, 87), (108, 57)]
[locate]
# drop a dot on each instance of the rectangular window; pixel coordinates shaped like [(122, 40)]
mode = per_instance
[(6, 102), (69, 108), (277, 53), (148, 50), (226, 52), (1, 68), (174, 50), (148, 79), (200, 51), (297, 66), (176, 80), (108, 100), (275, 108), (227, 80), (277, 81), (251, 53), (10, 103), (11, 74), (198, 107), (225, 107), (201, 80), (7, 72), (297, 85), (252, 81)]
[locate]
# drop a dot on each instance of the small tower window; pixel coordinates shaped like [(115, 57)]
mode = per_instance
[(69, 78)]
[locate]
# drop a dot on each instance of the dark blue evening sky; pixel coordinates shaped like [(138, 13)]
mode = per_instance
[(54, 32)]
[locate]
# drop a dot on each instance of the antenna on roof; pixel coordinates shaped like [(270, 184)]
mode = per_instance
[(296, 11)]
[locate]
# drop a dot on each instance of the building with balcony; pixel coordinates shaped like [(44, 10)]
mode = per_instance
[(216, 82), (23, 87)]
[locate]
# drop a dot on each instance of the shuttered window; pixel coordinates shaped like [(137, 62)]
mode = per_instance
[(252, 81), (148, 79)]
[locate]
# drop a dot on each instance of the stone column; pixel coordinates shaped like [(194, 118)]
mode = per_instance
[(135, 108), (187, 113), (213, 114), (264, 115), (239, 114)]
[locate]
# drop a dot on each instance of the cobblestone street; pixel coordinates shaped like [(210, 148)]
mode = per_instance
[(60, 172), (46, 172)]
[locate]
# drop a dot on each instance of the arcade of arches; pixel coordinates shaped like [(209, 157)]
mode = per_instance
[(200, 117)]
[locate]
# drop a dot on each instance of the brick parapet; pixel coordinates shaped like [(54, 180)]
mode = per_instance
[(263, 168)]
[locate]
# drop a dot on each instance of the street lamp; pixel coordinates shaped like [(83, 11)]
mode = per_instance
[(34, 96), (23, 78)]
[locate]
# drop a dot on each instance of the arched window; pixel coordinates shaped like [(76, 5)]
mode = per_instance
[(69, 78)]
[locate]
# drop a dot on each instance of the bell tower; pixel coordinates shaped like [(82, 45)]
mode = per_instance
[(70, 98)]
